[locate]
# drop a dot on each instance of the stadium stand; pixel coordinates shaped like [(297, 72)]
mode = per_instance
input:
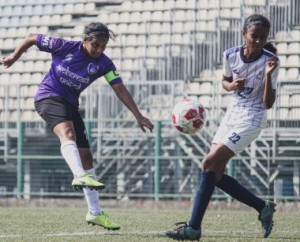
[(165, 49)]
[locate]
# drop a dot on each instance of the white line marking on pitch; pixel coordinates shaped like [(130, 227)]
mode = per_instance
[(158, 233), (64, 234), (106, 233)]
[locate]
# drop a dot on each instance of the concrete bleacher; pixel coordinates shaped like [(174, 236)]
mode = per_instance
[(288, 45), (18, 18), (148, 32), (145, 28)]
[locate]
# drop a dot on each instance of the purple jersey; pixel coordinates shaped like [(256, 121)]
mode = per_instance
[(72, 70)]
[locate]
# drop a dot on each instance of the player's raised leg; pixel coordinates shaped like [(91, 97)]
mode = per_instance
[(266, 209), (69, 150), (266, 218)]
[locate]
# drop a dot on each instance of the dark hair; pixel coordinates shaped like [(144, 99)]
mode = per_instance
[(97, 30), (270, 47), (258, 20)]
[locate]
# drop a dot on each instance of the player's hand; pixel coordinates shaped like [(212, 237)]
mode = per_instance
[(7, 61), (237, 84), (271, 65), (145, 122)]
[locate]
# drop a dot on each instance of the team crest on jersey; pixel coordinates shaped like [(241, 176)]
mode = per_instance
[(69, 57), (259, 75), (92, 69)]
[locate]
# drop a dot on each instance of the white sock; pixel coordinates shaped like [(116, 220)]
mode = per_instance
[(70, 152), (92, 196)]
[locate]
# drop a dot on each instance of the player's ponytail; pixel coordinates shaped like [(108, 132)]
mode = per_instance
[(270, 47)]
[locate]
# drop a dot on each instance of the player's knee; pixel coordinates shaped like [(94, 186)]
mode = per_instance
[(70, 134), (210, 163), (65, 131), (207, 164)]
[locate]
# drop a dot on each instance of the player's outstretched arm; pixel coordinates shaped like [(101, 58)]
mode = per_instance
[(123, 94), (27, 42)]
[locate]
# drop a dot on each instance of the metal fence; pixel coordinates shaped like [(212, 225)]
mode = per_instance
[(205, 37), (157, 165)]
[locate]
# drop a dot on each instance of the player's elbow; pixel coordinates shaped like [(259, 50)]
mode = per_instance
[(269, 102), (269, 105)]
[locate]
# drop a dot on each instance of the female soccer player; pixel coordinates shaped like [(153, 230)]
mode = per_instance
[(251, 72), (75, 65)]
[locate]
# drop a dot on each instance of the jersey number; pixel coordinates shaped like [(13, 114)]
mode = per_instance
[(234, 138), (245, 92)]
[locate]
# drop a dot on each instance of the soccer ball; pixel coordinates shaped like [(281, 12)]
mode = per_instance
[(188, 116)]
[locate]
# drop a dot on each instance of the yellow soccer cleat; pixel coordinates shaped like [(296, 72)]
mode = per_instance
[(86, 182), (102, 220)]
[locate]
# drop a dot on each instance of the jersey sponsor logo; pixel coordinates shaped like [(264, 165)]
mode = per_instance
[(92, 69), (259, 75), (68, 57), (70, 83), (72, 75), (46, 42)]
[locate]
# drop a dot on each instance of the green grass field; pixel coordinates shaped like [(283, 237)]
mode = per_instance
[(138, 225)]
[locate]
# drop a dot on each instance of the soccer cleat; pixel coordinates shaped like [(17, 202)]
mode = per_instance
[(184, 232), (102, 220), (86, 182), (266, 218)]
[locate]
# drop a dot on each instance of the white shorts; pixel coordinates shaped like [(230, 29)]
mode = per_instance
[(236, 137)]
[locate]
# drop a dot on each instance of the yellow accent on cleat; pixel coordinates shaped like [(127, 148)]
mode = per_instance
[(86, 182), (102, 220)]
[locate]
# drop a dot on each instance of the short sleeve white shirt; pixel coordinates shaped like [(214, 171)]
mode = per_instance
[(247, 105)]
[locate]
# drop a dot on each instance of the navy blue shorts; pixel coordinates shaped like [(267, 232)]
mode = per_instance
[(55, 110)]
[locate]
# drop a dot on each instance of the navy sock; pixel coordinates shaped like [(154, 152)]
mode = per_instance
[(232, 187), (205, 188)]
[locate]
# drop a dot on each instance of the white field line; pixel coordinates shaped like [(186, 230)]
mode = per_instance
[(158, 233), (66, 234)]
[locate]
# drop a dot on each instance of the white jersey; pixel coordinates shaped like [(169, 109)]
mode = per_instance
[(247, 105)]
